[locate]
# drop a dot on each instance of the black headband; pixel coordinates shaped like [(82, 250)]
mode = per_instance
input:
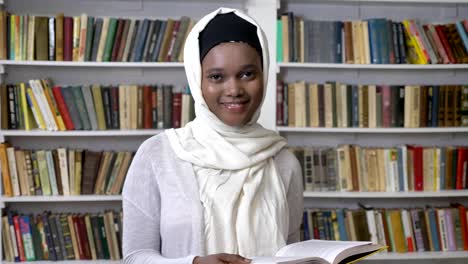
[(228, 27)]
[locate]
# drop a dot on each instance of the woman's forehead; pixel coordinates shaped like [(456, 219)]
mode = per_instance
[(232, 53)]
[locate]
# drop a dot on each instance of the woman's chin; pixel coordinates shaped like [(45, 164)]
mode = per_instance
[(234, 121)]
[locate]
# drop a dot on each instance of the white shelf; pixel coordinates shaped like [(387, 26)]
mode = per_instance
[(385, 195), (419, 255), (373, 130), (92, 64), (74, 198), (372, 66), (81, 133)]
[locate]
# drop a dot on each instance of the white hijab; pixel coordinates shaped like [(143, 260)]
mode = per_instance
[(243, 196)]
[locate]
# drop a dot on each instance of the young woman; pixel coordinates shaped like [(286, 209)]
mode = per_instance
[(222, 188)]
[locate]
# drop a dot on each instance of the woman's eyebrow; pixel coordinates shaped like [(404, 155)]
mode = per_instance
[(251, 65), (213, 70)]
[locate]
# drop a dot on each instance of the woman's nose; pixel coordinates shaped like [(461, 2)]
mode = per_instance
[(234, 87)]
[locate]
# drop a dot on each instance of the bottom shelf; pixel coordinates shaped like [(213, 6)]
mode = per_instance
[(420, 255)]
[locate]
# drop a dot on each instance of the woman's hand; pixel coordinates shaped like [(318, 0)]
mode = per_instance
[(221, 258)]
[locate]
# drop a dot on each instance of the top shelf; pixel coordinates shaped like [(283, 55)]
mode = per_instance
[(372, 66), (92, 64), (279, 65)]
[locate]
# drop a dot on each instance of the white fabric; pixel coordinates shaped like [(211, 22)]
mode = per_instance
[(242, 195), (163, 216)]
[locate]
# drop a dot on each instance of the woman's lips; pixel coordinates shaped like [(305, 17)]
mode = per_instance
[(235, 107)]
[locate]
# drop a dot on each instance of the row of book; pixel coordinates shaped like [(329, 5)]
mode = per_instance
[(370, 41), (62, 236), (88, 38), (378, 169), (402, 230), (333, 104), (62, 171), (39, 104)]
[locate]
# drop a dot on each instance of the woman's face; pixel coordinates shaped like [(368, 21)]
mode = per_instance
[(232, 82)]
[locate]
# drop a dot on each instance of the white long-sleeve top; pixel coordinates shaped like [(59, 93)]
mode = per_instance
[(163, 217)]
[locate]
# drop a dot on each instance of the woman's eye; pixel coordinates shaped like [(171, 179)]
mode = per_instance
[(248, 74), (215, 77)]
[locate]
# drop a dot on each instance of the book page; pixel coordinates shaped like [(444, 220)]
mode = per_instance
[(327, 250), (287, 260)]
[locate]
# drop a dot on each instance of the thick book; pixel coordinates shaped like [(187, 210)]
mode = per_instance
[(322, 251), (96, 38), (72, 108), (42, 38), (81, 107), (67, 39), (56, 165), (90, 171)]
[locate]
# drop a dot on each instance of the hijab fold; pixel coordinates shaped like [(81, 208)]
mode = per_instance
[(243, 196)]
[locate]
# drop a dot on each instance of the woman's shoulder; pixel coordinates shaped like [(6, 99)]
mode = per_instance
[(155, 146), (286, 158)]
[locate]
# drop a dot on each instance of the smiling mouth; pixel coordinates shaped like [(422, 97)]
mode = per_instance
[(235, 106)]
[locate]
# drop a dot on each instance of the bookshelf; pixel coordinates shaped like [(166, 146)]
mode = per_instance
[(265, 12), (72, 72), (397, 74)]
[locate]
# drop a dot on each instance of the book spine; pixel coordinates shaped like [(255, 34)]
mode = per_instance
[(81, 107), (62, 107), (176, 109), (147, 106), (114, 106), (88, 99), (25, 228), (96, 38), (449, 223), (51, 170), (117, 41), (10, 152), (110, 39), (416, 222), (55, 237), (61, 237), (83, 32), (71, 106), (19, 239), (51, 39)]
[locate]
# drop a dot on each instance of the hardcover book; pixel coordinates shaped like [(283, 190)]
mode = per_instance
[(319, 251)]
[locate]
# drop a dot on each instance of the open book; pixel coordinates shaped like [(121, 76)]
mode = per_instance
[(321, 251)]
